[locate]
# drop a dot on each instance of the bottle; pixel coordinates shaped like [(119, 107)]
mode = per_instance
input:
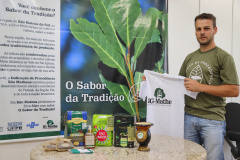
[(89, 139)]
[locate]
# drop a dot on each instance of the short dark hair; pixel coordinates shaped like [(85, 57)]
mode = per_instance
[(207, 16)]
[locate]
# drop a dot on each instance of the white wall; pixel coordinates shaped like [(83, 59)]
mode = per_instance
[(181, 32), (182, 39), (236, 39), (222, 9)]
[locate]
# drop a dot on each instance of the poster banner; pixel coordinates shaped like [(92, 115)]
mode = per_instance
[(105, 47), (75, 55), (30, 69)]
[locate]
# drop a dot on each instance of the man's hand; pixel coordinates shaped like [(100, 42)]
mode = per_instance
[(192, 85), (143, 78)]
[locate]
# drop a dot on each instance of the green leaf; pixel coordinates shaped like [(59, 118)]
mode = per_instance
[(104, 16), (164, 30), (159, 64), (155, 37), (91, 35), (119, 89), (138, 79), (127, 14), (133, 64), (142, 112), (148, 24), (164, 34)]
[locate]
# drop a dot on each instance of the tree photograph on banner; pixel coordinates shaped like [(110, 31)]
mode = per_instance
[(105, 47)]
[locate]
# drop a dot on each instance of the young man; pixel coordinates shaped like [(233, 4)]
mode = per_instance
[(212, 72)]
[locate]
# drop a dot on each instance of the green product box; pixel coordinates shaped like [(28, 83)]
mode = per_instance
[(124, 130), (76, 126), (103, 133)]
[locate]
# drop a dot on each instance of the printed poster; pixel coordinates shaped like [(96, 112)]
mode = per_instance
[(30, 69)]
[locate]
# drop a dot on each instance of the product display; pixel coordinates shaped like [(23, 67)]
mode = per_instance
[(101, 134), (64, 146), (58, 144), (76, 126), (78, 151), (110, 123), (89, 139), (104, 137), (124, 131), (143, 135)]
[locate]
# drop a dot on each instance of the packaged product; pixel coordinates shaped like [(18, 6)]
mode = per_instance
[(76, 126), (124, 131), (103, 133)]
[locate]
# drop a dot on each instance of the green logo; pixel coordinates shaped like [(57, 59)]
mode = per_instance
[(50, 125), (159, 93), (50, 122)]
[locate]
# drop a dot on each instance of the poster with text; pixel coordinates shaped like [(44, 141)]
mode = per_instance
[(105, 47), (29, 68)]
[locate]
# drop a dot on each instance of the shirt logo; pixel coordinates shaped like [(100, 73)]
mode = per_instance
[(159, 93), (196, 74), (200, 67), (159, 98)]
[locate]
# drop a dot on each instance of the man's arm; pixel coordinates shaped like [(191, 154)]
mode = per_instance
[(226, 90)]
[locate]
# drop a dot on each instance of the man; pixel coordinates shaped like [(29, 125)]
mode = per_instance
[(212, 72)]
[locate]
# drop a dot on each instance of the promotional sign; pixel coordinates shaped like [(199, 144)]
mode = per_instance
[(75, 55), (30, 69), (105, 47)]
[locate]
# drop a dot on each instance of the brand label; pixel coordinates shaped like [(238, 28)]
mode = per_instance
[(140, 135), (159, 98), (14, 126), (32, 125), (50, 125), (101, 135), (89, 140)]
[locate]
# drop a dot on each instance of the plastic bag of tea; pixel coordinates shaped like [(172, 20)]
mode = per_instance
[(104, 136)]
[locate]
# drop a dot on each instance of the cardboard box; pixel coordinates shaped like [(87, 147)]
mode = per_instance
[(124, 131), (76, 126)]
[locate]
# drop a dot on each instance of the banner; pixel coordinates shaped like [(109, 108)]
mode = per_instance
[(105, 47), (75, 55), (30, 69)]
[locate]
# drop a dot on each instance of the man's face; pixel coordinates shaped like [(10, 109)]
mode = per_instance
[(205, 31)]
